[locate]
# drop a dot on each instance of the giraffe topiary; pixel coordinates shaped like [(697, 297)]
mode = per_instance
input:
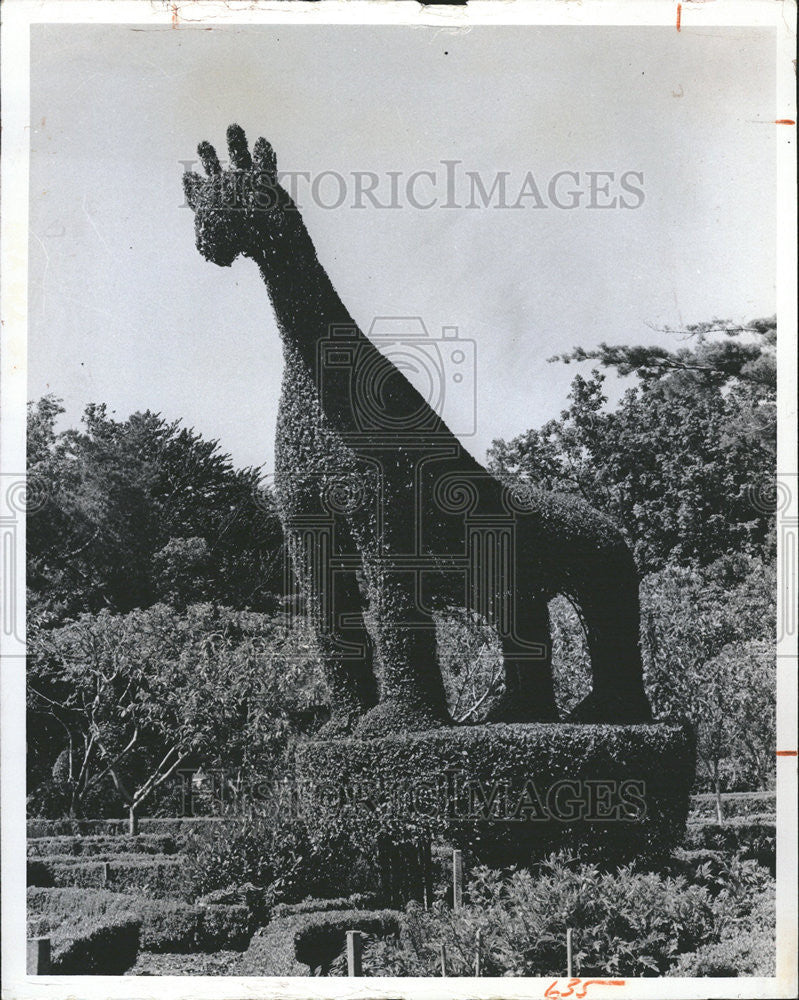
[(387, 519)]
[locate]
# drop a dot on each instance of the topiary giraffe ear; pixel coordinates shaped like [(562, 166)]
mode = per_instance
[(237, 147), (209, 159), (265, 157)]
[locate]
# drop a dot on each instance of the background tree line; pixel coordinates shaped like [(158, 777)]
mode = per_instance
[(155, 576)]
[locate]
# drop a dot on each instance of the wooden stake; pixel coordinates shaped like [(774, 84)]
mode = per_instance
[(354, 945), (457, 880), (478, 944), (38, 956), (569, 953), (442, 950)]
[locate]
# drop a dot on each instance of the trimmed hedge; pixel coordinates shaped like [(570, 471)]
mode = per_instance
[(172, 926), (90, 933), (102, 951), (305, 944), (167, 963), (155, 875), (79, 846), (165, 925), (750, 837), (176, 826), (734, 804), (440, 782), (357, 901)]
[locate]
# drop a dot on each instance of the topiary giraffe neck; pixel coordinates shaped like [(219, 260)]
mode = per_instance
[(310, 315), (306, 305)]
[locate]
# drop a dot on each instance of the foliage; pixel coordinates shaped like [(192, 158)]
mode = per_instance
[(275, 854), (708, 643), (136, 697), (746, 945), (707, 638), (309, 943), (218, 963), (165, 924), (625, 923), (78, 846), (91, 933), (129, 513), (496, 788), (736, 804), (172, 826), (571, 664), (750, 837), (685, 464), (470, 659), (148, 874)]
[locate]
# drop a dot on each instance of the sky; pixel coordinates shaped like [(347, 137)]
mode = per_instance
[(123, 310)]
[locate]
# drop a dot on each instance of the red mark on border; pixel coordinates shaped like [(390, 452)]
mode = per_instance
[(679, 15), (553, 993), (786, 753), (174, 15), (784, 121)]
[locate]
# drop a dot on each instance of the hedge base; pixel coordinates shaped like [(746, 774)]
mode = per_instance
[(507, 793)]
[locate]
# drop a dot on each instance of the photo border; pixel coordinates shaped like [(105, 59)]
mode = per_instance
[(17, 17)]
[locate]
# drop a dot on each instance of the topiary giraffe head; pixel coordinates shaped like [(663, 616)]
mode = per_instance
[(241, 210)]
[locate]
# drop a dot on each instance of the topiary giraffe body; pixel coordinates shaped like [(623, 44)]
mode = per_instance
[(385, 523)]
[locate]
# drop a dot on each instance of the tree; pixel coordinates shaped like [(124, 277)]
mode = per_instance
[(686, 462), (707, 638), (142, 510), (708, 645), (140, 695)]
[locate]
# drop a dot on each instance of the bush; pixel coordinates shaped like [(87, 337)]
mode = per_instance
[(172, 926), (177, 827), (749, 953), (273, 854), (90, 933), (625, 923), (750, 837), (305, 944), (195, 963), (440, 782), (154, 875), (357, 901), (81, 846), (747, 945), (734, 804), (165, 925)]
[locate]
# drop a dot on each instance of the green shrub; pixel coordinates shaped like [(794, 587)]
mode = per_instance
[(154, 875), (734, 804), (90, 933), (79, 846), (165, 925), (305, 944), (402, 786), (195, 963), (625, 923), (737, 879), (174, 826), (357, 901), (747, 945), (275, 855), (173, 926), (751, 837)]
